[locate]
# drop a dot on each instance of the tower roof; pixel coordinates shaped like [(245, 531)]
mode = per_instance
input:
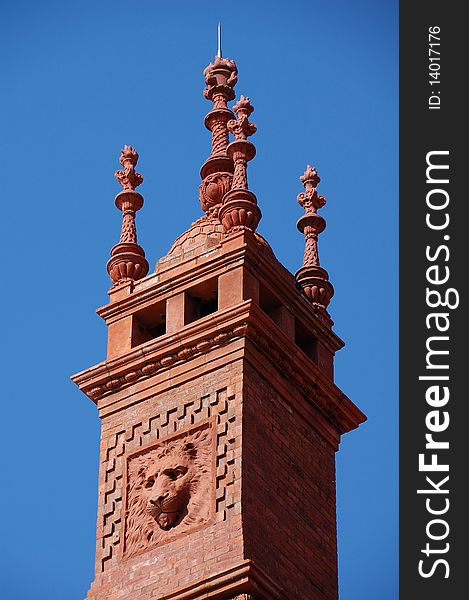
[(203, 235)]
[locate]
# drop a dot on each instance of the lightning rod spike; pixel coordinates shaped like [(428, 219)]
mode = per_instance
[(219, 41)]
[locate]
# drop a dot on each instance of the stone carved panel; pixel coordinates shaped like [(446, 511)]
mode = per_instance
[(165, 421), (170, 489)]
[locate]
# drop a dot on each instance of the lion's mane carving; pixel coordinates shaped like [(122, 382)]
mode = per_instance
[(168, 488)]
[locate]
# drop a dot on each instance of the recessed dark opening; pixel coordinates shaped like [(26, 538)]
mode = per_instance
[(306, 341), (149, 323), (270, 304), (201, 300)]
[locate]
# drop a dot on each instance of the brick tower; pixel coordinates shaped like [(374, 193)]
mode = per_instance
[(220, 417)]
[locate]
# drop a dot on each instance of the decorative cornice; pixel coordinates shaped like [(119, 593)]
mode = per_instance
[(159, 354), (316, 387), (244, 320), (168, 360)]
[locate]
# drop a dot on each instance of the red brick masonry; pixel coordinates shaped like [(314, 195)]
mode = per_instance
[(237, 409)]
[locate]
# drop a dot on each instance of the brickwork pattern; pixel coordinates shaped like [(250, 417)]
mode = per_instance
[(147, 423), (288, 494)]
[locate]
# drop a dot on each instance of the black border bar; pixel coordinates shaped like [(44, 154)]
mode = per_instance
[(434, 259)]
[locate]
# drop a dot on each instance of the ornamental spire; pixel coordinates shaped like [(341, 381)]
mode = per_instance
[(127, 262), (217, 171), (244, 151), (240, 210), (311, 278)]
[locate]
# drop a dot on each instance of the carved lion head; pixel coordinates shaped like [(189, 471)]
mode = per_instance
[(168, 488)]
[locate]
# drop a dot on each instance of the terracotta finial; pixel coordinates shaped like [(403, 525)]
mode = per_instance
[(239, 209), (217, 171), (128, 262), (128, 178), (310, 200), (311, 278), (242, 128), (220, 77), (241, 150)]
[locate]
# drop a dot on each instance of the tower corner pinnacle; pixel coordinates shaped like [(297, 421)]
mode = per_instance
[(311, 277), (128, 262)]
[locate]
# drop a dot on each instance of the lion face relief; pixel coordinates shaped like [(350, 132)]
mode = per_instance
[(168, 490), (167, 487)]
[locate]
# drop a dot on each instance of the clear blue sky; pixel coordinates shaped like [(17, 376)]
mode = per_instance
[(80, 79)]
